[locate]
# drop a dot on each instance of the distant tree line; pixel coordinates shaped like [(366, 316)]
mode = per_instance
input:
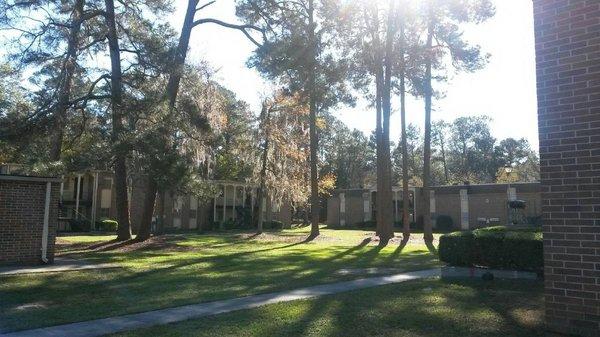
[(458, 156)]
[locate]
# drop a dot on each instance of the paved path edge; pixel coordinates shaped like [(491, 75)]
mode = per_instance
[(104, 326)]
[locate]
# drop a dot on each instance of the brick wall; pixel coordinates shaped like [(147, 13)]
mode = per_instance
[(22, 217), (485, 201), (568, 73)]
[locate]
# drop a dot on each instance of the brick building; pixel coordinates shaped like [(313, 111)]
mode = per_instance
[(89, 196), (28, 219), (568, 74), (469, 206)]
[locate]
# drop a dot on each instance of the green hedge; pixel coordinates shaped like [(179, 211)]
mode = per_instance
[(494, 247), (79, 225), (107, 225)]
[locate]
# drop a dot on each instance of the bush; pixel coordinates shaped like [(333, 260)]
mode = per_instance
[(107, 225), (213, 226), (494, 247), (228, 224), (367, 224), (79, 225), (444, 223), (456, 248), (273, 225)]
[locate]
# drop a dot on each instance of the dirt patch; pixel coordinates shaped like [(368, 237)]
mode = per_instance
[(287, 238), (163, 243)]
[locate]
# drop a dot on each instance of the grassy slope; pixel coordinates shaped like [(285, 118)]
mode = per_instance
[(191, 269), (418, 308)]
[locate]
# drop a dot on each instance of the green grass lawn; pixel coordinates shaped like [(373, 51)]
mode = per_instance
[(418, 308), (182, 269)]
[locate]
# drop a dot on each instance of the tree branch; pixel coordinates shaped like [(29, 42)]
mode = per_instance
[(243, 28), (205, 5)]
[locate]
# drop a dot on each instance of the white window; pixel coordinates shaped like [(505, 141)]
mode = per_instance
[(105, 198), (512, 194), (193, 223), (178, 205)]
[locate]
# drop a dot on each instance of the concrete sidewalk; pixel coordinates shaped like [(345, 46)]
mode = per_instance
[(60, 264), (110, 325)]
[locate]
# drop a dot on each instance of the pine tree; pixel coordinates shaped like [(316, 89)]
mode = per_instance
[(172, 88), (298, 55), (441, 20)]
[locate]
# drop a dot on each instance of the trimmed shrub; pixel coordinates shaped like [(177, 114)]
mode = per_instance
[(107, 225), (494, 247), (444, 223), (79, 225), (456, 248)]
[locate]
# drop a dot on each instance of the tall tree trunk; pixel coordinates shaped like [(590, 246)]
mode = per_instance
[(378, 72), (263, 170), (146, 220), (66, 81), (405, 191), (161, 215), (385, 194), (149, 206), (427, 228), (444, 162), (171, 97), (378, 140), (181, 54), (314, 141), (120, 150)]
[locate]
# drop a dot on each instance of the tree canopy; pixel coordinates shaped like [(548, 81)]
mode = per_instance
[(105, 84)]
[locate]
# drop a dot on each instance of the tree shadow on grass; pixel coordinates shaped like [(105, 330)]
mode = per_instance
[(398, 251), (155, 242), (114, 245), (438, 308), (236, 272), (431, 247)]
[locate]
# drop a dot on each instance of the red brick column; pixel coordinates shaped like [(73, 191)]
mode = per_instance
[(22, 206), (568, 74)]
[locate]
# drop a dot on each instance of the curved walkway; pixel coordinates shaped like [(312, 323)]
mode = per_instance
[(110, 325)]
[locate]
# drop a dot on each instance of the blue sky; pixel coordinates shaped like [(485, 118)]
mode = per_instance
[(504, 90)]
